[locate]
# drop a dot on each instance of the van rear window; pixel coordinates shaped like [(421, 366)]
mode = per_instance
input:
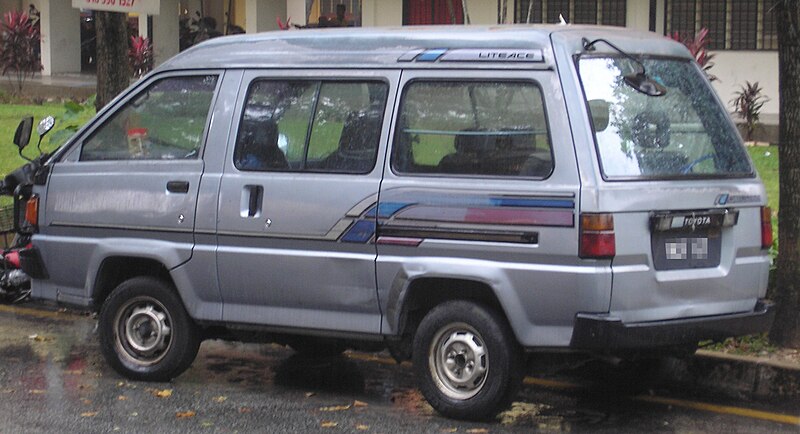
[(473, 128), (684, 133)]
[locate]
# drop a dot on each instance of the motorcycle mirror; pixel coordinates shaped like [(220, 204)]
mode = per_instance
[(23, 134), (45, 125)]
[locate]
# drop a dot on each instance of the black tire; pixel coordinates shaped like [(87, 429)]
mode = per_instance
[(313, 347), (170, 339), (467, 334)]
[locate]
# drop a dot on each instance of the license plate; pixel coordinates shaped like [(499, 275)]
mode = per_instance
[(686, 249)]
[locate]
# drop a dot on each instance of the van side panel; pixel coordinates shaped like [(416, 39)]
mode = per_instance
[(516, 236)]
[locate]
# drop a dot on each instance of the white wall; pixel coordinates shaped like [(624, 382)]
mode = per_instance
[(381, 13), (485, 11), (638, 15), (60, 29), (165, 31), (733, 68), (262, 14)]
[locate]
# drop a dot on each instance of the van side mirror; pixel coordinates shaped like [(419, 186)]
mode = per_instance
[(45, 125), (600, 111), (23, 134)]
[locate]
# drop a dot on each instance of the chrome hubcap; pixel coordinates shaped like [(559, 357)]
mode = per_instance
[(143, 331), (458, 361)]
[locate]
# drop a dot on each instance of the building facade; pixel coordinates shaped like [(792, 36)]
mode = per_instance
[(742, 33)]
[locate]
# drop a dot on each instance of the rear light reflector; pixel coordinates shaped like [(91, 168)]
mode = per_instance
[(597, 236), (766, 227), (32, 211)]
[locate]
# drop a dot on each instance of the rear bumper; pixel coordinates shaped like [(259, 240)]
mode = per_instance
[(604, 332)]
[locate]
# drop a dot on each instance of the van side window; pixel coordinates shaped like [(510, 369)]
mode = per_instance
[(165, 121), (311, 126), (473, 128)]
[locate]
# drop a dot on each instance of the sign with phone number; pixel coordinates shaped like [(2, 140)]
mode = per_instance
[(144, 7)]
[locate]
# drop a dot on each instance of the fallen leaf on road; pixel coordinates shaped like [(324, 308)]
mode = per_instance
[(166, 393), (122, 398), (86, 401), (310, 394), (478, 431), (134, 414), (39, 338), (36, 391), (362, 427), (243, 410), (219, 398), (120, 384), (185, 414), (89, 414), (358, 403), (329, 424), (8, 390), (74, 372), (336, 408), (206, 424), (450, 430)]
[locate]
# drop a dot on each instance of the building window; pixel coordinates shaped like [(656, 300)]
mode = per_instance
[(681, 17), (713, 14), (605, 12), (585, 12), (614, 12), (769, 29), (421, 12), (744, 25), (731, 24)]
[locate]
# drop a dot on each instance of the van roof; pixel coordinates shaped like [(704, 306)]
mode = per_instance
[(506, 46)]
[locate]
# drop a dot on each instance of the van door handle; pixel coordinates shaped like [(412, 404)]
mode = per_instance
[(178, 186)]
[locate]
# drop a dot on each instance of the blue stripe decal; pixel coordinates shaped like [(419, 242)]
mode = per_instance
[(361, 232), (386, 209), (431, 55), (533, 203)]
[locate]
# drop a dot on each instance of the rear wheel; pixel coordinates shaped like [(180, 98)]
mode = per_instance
[(467, 359), (145, 332)]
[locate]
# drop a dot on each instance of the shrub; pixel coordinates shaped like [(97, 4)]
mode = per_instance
[(140, 56), (748, 104), (697, 46), (19, 42)]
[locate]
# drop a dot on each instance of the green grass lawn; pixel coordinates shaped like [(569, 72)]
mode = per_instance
[(766, 160), (11, 114)]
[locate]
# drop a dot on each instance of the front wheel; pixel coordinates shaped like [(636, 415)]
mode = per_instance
[(145, 332), (467, 359)]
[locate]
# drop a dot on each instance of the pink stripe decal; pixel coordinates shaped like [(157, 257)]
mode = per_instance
[(500, 216)]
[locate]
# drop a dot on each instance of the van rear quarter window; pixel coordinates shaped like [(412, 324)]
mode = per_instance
[(164, 122), (684, 133), (473, 128)]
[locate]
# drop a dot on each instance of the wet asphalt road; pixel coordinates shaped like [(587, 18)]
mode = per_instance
[(53, 379)]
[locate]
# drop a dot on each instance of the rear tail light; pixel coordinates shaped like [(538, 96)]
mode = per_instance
[(32, 211), (597, 236), (766, 227)]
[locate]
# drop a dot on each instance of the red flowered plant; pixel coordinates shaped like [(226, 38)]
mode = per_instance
[(140, 56), (698, 46), (19, 48)]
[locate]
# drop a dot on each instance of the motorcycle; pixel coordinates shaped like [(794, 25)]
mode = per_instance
[(15, 285)]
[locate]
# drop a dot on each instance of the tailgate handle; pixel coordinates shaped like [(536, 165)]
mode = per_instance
[(178, 186)]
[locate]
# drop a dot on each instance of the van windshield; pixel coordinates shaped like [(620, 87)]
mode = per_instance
[(684, 133)]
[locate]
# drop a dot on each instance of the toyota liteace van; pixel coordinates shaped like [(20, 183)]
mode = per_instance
[(465, 196)]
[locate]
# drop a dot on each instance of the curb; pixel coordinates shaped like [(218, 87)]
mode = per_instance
[(736, 375)]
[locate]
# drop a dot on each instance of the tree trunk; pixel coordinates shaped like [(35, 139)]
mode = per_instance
[(786, 330), (113, 71)]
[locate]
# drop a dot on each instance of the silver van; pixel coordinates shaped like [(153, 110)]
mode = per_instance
[(461, 195)]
